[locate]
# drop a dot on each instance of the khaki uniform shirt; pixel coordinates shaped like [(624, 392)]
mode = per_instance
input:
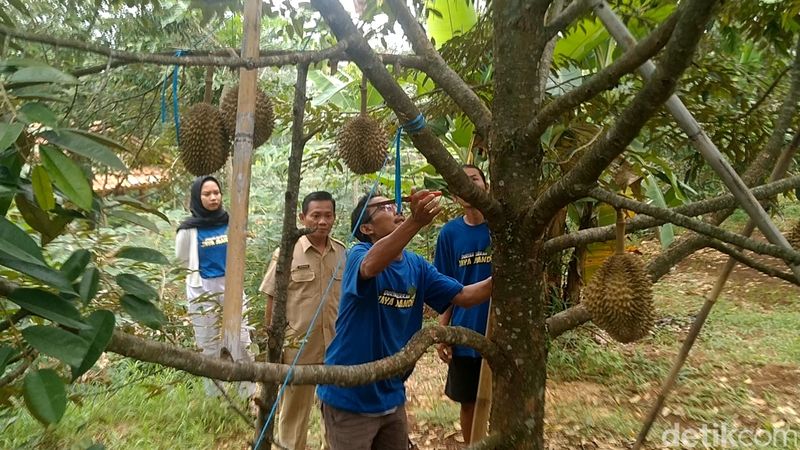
[(311, 273)]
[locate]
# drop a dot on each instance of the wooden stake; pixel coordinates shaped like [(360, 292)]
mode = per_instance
[(483, 400), (240, 185)]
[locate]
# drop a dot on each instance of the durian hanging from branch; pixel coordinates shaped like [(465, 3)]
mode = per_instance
[(203, 144), (362, 143), (619, 296), (264, 115)]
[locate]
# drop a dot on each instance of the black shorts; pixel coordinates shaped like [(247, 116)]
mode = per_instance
[(463, 374)]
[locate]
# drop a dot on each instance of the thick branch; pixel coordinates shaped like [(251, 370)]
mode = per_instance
[(289, 233), (570, 14), (441, 73), (566, 320), (693, 17), (198, 364), (604, 79), (16, 317), (724, 202), (697, 226), (10, 377), (425, 141)]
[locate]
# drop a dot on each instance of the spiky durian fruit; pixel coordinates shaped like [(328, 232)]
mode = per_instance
[(264, 115), (204, 146), (793, 236), (362, 144), (620, 298)]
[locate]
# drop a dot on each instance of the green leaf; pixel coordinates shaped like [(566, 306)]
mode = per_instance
[(35, 112), (48, 305), (6, 353), (40, 220), (143, 311), (36, 270), (40, 92), (16, 242), (82, 145), (42, 74), (142, 254), (9, 132), (90, 283), (666, 231), (45, 395), (60, 344), (76, 264), (98, 337), (138, 204), (42, 188), (101, 139), (20, 7), (134, 285), (448, 19), (134, 219), (67, 176)]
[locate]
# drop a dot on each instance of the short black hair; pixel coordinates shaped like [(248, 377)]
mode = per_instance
[(318, 196), (473, 166), (355, 223)]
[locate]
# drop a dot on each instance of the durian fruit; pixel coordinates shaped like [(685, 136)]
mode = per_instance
[(264, 115), (362, 142), (619, 296), (793, 236), (203, 144)]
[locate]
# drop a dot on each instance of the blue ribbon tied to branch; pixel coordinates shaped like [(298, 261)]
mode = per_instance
[(175, 114)]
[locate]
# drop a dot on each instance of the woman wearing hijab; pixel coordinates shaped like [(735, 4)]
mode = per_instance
[(202, 244)]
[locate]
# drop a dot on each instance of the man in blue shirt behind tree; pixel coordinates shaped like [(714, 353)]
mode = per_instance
[(463, 251), (384, 287)]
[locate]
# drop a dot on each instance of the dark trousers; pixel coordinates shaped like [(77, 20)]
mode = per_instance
[(345, 430)]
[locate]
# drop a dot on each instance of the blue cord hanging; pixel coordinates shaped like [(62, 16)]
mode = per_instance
[(414, 126), (411, 127), (175, 114)]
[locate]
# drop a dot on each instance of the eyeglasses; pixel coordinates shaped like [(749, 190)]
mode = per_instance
[(388, 206)]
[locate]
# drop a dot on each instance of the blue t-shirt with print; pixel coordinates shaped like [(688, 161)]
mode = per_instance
[(464, 252), (212, 247), (377, 317)]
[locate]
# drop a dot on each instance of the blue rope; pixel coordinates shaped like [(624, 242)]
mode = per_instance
[(411, 127), (175, 115), (317, 312), (414, 126)]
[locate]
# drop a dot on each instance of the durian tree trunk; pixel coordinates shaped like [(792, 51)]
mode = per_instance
[(517, 257)]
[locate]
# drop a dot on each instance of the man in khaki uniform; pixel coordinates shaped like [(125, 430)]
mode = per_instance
[(315, 258)]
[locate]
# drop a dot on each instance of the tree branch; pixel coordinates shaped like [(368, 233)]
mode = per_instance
[(16, 373), (281, 59), (197, 364), (694, 15), (724, 202), (697, 226), (752, 262), (425, 141), (570, 14), (441, 73), (604, 79)]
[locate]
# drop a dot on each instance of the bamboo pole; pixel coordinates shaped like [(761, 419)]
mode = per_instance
[(483, 400), (781, 167), (240, 185), (698, 137)]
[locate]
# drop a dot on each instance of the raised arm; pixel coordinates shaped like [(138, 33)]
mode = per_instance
[(424, 207)]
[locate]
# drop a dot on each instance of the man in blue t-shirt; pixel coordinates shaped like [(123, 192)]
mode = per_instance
[(463, 251), (384, 287)]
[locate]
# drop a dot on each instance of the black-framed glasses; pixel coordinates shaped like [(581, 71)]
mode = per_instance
[(387, 205)]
